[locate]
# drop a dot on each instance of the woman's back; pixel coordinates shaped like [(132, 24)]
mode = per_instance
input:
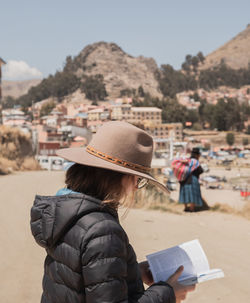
[(81, 237)]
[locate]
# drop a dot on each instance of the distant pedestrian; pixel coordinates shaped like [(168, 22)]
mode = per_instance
[(190, 193)]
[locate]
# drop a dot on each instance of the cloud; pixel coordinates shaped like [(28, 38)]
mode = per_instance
[(20, 70)]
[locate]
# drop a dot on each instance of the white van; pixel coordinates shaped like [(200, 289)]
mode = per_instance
[(50, 162)]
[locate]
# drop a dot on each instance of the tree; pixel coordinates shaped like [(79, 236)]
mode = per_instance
[(94, 88), (185, 67), (245, 141), (227, 115), (59, 85), (233, 115), (197, 126), (8, 102), (127, 92), (69, 64), (219, 115), (195, 62), (230, 139), (201, 57), (192, 62), (141, 91), (172, 82), (172, 111), (188, 59), (192, 115), (47, 108)]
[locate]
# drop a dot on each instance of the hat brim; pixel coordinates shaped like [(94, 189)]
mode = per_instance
[(81, 156)]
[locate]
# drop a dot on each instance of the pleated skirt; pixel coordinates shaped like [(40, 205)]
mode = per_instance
[(191, 193)]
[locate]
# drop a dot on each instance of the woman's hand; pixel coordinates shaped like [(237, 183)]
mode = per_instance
[(146, 274), (179, 289)]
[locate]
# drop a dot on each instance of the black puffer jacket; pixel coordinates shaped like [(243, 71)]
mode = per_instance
[(89, 258)]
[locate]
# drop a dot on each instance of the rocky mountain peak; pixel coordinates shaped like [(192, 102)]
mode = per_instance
[(119, 69), (235, 53)]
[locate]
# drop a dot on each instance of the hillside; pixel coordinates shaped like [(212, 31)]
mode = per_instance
[(16, 89), (120, 70), (235, 53), (104, 71)]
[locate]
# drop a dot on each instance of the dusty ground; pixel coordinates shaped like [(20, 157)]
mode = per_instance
[(225, 238)]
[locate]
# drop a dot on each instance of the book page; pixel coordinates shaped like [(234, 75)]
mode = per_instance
[(164, 263), (196, 255), (211, 274), (190, 254)]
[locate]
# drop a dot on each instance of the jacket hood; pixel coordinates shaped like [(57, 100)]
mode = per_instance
[(53, 216)]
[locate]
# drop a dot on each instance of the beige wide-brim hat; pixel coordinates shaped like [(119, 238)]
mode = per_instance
[(118, 146)]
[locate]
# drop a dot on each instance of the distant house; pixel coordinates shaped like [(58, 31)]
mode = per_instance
[(135, 115), (71, 131), (48, 148), (164, 130), (81, 119)]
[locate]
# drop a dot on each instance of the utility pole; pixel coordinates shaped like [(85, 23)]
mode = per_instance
[(171, 147), (1, 63)]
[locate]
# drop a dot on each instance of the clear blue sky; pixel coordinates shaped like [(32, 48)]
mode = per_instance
[(43, 33)]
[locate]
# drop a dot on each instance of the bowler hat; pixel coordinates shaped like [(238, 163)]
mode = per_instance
[(196, 151), (117, 146)]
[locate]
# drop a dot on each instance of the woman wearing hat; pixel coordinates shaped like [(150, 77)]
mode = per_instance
[(89, 258), (190, 193)]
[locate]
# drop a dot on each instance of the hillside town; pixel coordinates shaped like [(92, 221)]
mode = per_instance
[(185, 98), (72, 125)]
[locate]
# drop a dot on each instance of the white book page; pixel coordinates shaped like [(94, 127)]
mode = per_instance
[(164, 263), (211, 274), (190, 254), (197, 256)]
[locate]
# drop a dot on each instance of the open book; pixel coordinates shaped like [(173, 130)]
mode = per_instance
[(189, 254)]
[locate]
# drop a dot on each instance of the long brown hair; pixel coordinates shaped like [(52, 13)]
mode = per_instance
[(100, 183)]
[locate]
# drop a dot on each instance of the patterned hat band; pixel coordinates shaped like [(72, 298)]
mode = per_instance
[(137, 167)]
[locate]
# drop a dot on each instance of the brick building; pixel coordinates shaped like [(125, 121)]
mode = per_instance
[(135, 115), (164, 130)]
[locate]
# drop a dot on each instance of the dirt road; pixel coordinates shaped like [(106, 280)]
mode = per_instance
[(225, 239)]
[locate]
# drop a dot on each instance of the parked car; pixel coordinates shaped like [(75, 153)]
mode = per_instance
[(214, 186), (213, 182), (57, 163), (171, 184), (219, 179), (43, 161), (50, 162), (205, 167)]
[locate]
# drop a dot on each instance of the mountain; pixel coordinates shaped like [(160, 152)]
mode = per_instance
[(120, 70), (103, 70), (16, 89), (235, 53)]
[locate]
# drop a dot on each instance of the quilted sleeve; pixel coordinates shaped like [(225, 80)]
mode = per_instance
[(104, 268)]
